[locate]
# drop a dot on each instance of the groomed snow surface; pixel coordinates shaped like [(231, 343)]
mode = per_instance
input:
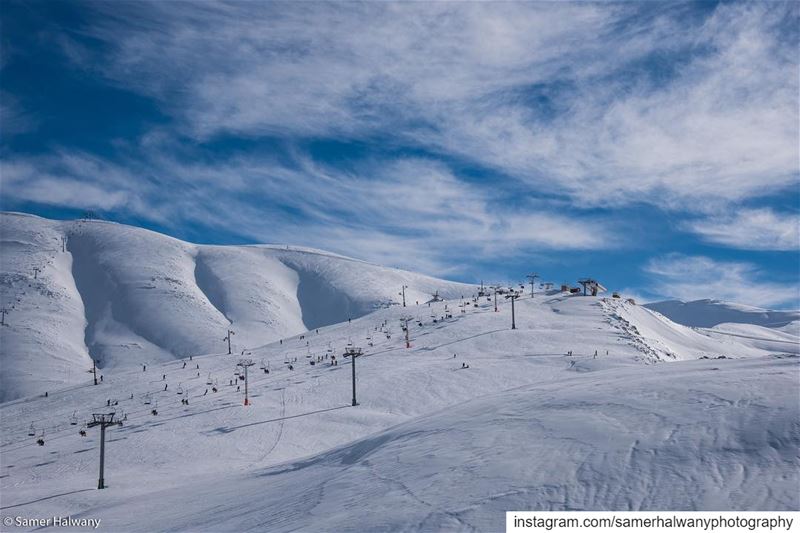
[(665, 417)]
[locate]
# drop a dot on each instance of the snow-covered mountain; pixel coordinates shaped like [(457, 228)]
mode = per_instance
[(709, 313), (125, 296), (472, 420)]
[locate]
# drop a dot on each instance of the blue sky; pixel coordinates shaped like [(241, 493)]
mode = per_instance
[(653, 146)]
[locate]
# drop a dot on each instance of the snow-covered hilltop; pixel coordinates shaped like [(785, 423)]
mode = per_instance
[(472, 420), (710, 313), (591, 403), (124, 296)]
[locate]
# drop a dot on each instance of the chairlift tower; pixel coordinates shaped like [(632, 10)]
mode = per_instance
[(403, 293), (495, 289), (513, 295), (532, 277), (103, 420), (93, 370), (228, 338), (3, 312), (352, 352), (245, 364)]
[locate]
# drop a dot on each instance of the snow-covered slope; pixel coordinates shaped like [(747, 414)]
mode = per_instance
[(663, 339), (126, 296), (709, 313), (433, 444)]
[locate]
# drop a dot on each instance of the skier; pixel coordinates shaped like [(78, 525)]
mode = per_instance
[(163, 377), (213, 389), (144, 368), (101, 378), (198, 364), (237, 388), (184, 364), (108, 403), (166, 385), (454, 356), (45, 394)]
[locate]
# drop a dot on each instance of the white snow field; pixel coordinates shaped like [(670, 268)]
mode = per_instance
[(665, 417), (126, 296)]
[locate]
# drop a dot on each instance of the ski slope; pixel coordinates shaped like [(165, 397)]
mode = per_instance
[(431, 445), (123, 296)]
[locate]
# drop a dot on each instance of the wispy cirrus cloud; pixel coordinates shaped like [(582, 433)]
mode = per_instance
[(699, 277), (409, 212), (610, 104), (751, 229), (466, 130)]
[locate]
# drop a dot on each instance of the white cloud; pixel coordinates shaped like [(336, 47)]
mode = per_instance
[(751, 229), (409, 212), (697, 277), (456, 77)]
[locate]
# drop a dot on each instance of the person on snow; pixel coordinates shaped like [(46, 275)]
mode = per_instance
[(166, 385)]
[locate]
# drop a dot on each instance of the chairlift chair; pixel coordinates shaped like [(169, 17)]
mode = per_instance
[(32, 431), (73, 421), (180, 389)]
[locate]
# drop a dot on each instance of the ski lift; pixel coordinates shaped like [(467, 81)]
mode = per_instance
[(73, 421), (180, 389), (32, 431), (208, 381), (147, 399)]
